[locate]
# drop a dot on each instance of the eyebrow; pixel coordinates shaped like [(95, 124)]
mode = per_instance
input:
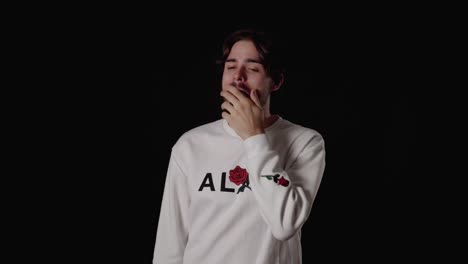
[(248, 60)]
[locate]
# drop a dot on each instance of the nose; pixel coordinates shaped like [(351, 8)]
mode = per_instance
[(239, 75)]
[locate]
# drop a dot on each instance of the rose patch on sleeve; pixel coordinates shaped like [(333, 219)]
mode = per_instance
[(239, 176), (281, 181)]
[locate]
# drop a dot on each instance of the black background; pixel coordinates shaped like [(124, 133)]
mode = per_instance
[(140, 83)]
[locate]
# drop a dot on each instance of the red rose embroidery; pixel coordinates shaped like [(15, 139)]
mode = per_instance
[(282, 181), (238, 175)]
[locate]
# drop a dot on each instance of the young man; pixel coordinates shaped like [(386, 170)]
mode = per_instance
[(239, 189)]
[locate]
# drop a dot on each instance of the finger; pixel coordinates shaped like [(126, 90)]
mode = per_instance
[(226, 116), (255, 99), (238, 94), (227, 106), (229, 97)]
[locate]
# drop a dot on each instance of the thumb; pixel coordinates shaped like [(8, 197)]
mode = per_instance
[(255, 99)]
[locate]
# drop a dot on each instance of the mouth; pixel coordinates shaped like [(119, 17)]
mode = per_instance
[(243, 88), (245, 92)]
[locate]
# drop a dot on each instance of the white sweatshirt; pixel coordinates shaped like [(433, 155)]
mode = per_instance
[(230, 201)]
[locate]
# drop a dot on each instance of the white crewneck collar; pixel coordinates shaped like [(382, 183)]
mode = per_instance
[(232, 132)]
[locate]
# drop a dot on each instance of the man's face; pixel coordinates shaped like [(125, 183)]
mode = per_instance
[(244, 71)]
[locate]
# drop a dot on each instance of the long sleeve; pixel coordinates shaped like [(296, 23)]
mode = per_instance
[(285, 196), (172, 231)]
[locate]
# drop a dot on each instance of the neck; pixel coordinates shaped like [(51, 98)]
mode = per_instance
[(268, 118)]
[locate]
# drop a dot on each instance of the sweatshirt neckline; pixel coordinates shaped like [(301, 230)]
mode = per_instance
[(232, 132)]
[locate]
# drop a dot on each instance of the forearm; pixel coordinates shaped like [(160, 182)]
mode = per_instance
[(284, 196)]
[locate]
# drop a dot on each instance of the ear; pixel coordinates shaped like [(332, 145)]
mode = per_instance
[(276, 86)]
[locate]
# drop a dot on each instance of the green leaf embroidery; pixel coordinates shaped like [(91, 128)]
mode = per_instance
[(241, 189), (272, 177)]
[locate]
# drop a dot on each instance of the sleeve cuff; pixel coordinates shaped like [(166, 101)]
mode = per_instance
[(256, 144)]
